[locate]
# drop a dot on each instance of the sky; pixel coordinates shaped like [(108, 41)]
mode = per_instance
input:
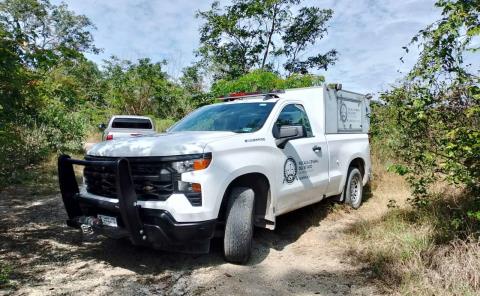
[(368, 34)]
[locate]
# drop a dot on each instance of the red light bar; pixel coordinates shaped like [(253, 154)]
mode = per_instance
[(241, 94)]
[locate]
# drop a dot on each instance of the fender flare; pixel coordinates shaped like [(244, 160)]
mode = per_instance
[(253, 169), (344, 175)]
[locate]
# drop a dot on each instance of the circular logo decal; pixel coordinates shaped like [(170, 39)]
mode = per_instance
[(290, 170), (343, 112)]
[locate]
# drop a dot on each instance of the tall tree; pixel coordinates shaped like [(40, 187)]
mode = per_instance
[(257, 34)]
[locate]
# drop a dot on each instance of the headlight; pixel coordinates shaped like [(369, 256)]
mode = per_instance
[(192, 164), (189, 187)]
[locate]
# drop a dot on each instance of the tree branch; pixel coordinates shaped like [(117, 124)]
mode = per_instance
[(272, 30)]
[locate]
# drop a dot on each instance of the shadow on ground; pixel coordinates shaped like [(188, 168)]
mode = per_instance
[(34, 239)]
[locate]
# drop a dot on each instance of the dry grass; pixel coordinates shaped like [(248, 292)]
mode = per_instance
[(37, 179), (452, 269), (94, 137), (431, 251)]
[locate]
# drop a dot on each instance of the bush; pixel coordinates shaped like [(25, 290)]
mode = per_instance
[(264, 81), (431, 121), (20, 146), (65, 131), (29, 141)]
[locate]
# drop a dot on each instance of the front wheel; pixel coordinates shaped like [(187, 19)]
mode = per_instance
[(354, 188), (239, 224)]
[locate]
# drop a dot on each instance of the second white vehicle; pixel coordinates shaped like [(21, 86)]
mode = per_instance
[(126, 126), (224, 169)]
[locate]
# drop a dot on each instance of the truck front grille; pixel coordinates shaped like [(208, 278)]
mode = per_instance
[(153, 180)]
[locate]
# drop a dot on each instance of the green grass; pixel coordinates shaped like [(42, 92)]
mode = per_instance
[(161, 125)]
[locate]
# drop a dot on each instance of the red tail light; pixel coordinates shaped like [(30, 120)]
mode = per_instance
[(109, 137)]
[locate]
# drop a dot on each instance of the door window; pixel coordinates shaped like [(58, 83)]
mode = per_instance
[(294, 114)]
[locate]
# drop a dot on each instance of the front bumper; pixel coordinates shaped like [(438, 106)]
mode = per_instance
[(146, 227)]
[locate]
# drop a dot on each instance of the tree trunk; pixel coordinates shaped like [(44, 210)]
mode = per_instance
[(272, 30)]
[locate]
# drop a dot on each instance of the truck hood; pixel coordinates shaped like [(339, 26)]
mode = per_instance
[(166, 144)]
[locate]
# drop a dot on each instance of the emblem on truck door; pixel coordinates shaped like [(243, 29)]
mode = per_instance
[(290, 170)]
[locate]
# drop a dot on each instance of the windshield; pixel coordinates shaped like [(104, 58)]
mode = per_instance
[(238, 118)]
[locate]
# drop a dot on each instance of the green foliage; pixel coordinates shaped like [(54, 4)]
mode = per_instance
[(5, 271), (44, 33), (432, 121), (144, 88), (254, 34), (20, 145), (73, 84), (14, 78), (133, 88), (64, 131), (161, 125), (43, 82), (193, 83), (302, 80), (263, 81), (305, 29)]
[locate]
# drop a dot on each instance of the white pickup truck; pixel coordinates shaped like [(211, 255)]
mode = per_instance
[(224, 169), (125, 126)]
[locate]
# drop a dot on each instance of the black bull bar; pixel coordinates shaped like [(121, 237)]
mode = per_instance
[(127, 198), (143, 226)]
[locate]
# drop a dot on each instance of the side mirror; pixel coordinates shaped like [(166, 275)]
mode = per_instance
[(102, 126), (285, 133)]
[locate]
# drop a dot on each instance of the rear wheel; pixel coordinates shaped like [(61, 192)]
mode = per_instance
[(354, 188), (239, 225)]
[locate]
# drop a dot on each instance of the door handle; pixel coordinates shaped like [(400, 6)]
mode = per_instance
[(317, 149)]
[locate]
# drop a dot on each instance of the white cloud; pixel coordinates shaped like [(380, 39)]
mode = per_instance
[(136, 29), (368, 34)]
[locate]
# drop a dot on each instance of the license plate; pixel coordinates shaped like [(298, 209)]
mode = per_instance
[(108, 221)]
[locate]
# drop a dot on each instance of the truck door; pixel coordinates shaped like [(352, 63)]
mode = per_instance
[(303, 177)]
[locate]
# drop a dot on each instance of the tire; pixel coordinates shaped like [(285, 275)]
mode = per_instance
[(237, 244), (354, 188)]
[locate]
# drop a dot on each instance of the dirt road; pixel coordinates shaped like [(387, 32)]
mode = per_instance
[(305, 255)]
